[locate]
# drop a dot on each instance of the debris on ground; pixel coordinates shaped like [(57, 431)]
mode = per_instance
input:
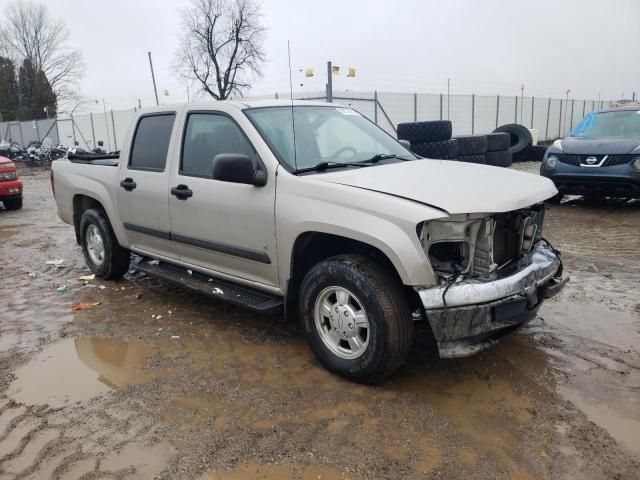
[(61, 288), (88, 277), (58, 263), (82, 306)]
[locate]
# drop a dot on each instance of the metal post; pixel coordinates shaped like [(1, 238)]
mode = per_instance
[(375, 107), (584, 107), (516, 115), (448, 97), (473, 112), (497, 110), (329, 83), (106, 124), (153, 77), (522, 104), (73, 129), (415, 107), (37, 131), (441, 106), (93, 131), (571, 117), (546, 131), (560, 120), (113, 124), (533, 106)]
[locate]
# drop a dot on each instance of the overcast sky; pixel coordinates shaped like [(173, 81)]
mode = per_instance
[(486, 47)]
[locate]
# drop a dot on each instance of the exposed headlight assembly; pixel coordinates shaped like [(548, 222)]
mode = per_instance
[(636, 164), (551, 162)]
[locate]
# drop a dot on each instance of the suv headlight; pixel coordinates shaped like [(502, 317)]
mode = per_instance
[(551, 162), (636, 164)]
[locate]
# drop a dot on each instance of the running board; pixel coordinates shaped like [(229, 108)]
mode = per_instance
[(224, 290)]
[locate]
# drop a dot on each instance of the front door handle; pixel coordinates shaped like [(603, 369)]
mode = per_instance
[(182, 192), (128, 184)]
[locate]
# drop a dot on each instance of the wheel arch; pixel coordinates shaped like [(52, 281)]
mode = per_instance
[(311, 247), (81, 203)]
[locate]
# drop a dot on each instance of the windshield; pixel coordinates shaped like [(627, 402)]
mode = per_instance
[(322, 134), (621, 124)]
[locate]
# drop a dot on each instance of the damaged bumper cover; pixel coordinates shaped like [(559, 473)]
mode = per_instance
[(478, 312)]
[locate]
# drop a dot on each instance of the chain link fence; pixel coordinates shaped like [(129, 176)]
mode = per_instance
[(551, 117)]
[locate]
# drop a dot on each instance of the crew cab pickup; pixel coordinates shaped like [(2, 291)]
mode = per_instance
[(313, 209)]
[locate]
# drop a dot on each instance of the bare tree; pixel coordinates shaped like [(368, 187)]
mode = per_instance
[(29, 32), (222, 45)]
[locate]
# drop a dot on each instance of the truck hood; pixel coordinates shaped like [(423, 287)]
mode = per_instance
[(585, 146), (454, 187)]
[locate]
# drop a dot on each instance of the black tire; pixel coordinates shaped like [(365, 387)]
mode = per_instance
[(498, 141), (480, 158), (499, 159), (520, 137), (444, 150), (116, 259), (420, 132), (522, 155), (472, 144), (391, 334), (536, 153), (13, 204)]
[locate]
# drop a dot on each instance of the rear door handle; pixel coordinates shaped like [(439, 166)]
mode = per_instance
[(128, 184), (182, 192)]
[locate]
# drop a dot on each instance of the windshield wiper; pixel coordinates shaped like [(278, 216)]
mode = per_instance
[(327, 165), (383, 156)]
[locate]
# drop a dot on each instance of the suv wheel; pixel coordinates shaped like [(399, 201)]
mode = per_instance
[(356, 317), (102, 252)]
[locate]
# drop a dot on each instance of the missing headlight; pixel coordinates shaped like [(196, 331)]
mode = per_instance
[(449, 257)]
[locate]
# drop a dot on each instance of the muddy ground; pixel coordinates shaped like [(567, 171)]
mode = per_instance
[(156, 382)]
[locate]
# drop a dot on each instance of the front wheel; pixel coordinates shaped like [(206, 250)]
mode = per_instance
[(102, 252), (356, 317), (13, 204)]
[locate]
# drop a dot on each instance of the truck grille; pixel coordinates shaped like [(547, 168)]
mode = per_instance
[(578, 160)]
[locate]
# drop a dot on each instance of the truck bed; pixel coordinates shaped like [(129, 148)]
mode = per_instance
[(110, 160)]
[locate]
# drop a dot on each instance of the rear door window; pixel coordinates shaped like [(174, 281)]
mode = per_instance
[(151, 142)]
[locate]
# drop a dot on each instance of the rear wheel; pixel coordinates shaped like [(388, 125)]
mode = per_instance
[(356, 317), (13, 204), (102, 252)]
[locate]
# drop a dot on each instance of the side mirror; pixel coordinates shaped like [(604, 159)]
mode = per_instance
[(237, 168), (405, 143)]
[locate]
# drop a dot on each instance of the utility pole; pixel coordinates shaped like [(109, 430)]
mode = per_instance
[(139, 104), (329, 82), (106, 123), (153, 77)]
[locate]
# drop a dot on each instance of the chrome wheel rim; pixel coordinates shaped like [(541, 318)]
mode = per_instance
[(341, 322), (95, 244)]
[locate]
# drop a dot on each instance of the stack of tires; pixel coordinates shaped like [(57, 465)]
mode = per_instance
[(491, 149), (520, 143), (430, 139)]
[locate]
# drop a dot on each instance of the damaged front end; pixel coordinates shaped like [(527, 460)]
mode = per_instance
[(493, 273)]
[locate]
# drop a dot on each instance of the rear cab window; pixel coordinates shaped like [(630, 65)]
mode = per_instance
[(151, 142)]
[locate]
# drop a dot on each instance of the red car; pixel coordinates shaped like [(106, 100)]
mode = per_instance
[(10, 186)]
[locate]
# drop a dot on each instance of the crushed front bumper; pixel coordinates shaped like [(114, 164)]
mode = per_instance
[(478, 312)]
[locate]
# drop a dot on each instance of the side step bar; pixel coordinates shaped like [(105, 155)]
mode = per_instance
[(221, 289)]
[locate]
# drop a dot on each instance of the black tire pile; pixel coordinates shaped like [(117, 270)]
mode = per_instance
[(520, 140), (430, 139), (433, 140)]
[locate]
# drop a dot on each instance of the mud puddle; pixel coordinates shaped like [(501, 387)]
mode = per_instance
[(78, 369)]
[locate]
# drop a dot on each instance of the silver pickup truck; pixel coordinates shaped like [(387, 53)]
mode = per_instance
[(313, 209)]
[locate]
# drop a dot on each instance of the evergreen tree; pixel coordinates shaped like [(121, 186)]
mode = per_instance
[(9, 101), (35, 93)]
